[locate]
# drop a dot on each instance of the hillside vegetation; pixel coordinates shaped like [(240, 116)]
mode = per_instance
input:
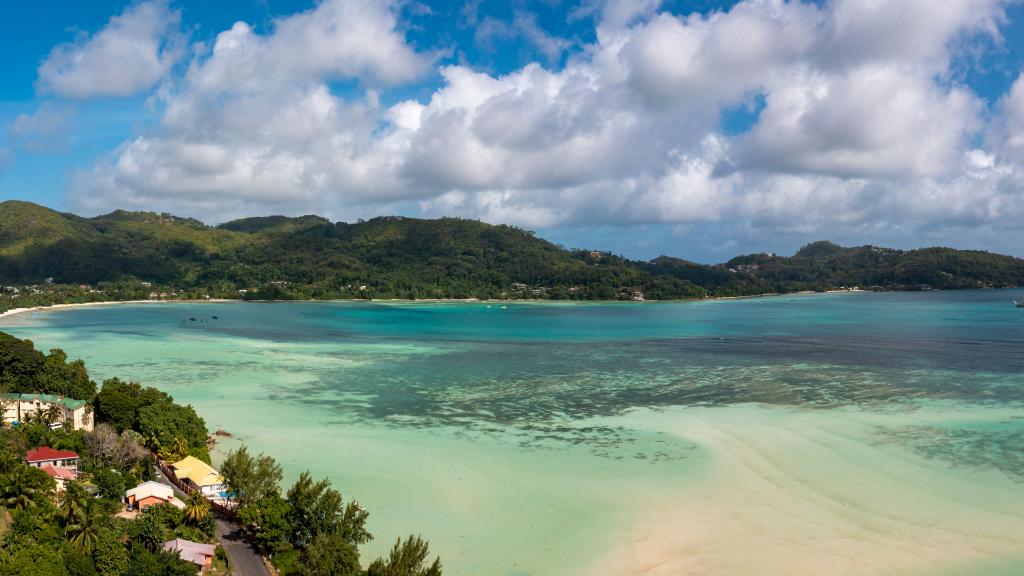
[(394, 257)]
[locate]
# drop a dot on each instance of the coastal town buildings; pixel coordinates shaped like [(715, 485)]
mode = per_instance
[(58, 410)]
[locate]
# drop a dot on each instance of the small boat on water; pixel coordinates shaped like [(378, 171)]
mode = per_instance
[(1018, 304)]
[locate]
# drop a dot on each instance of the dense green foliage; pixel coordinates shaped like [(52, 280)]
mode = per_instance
[(24, 369), (311, 528), (308, 257), (164, 425), (250, 478), (408, 557), (330, 555), (316, 509), (392, 257), (825, 266)]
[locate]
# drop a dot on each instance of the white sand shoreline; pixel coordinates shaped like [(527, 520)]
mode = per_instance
[(19, 311)]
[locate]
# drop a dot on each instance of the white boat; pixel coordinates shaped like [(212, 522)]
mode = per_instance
[(1018, 304)]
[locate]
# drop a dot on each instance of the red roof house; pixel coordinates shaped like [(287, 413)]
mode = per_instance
[(44, 455), (60, 475)]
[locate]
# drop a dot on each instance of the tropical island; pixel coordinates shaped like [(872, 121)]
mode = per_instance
[(80, 492), (48, 257)]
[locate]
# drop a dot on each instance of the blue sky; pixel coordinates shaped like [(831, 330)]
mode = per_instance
[(694, 128)]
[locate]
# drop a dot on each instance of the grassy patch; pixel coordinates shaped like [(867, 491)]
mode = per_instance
[(287, 562), (5, 521), (219, 568)]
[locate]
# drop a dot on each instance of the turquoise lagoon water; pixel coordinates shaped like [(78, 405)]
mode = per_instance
[(827, 434)]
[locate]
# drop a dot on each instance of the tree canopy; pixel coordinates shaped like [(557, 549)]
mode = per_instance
[(153, 414), (24, 369)]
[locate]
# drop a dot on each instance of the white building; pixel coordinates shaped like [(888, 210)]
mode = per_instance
[(19, 407)]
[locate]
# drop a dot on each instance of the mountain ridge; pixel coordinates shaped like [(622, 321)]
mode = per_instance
[(394, 256)]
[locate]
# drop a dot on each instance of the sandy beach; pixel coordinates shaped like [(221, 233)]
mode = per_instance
[(775, 502), (18, 311)]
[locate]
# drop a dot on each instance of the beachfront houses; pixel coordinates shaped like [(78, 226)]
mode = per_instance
[(61, 465), (200, 476), (56, 410), (151, 494), (199, 554)]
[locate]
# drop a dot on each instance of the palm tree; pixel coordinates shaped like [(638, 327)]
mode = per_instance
[(71, 502), (197, 508), (177, 450), (180, 447), (52, 415), (31, 418), (8, 462), (84, 530), (20, 488), (153, 442)]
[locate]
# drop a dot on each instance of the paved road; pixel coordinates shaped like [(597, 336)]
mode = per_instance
[(244, 560), (163, 480)]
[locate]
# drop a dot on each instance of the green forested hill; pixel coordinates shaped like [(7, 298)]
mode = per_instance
[(309, 256)]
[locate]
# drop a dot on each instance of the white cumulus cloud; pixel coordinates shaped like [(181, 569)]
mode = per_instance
[(129, 56)]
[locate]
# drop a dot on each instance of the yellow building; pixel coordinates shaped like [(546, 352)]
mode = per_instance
[(20, 407), (201, 476)]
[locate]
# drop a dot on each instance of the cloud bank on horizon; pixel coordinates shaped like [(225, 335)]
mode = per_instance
[(856, 120)]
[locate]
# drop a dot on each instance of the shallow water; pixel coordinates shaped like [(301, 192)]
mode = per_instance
[(824, 434)]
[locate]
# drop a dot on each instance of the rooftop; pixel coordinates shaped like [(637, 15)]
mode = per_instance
[(45, 454), (69, 403), (151, 488), (60, 473), (199, 472), (193, 552)]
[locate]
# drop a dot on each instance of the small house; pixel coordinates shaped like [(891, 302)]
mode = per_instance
[(60, 465), (199, 554), (151, 494), (200, 476), (45, 456)]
